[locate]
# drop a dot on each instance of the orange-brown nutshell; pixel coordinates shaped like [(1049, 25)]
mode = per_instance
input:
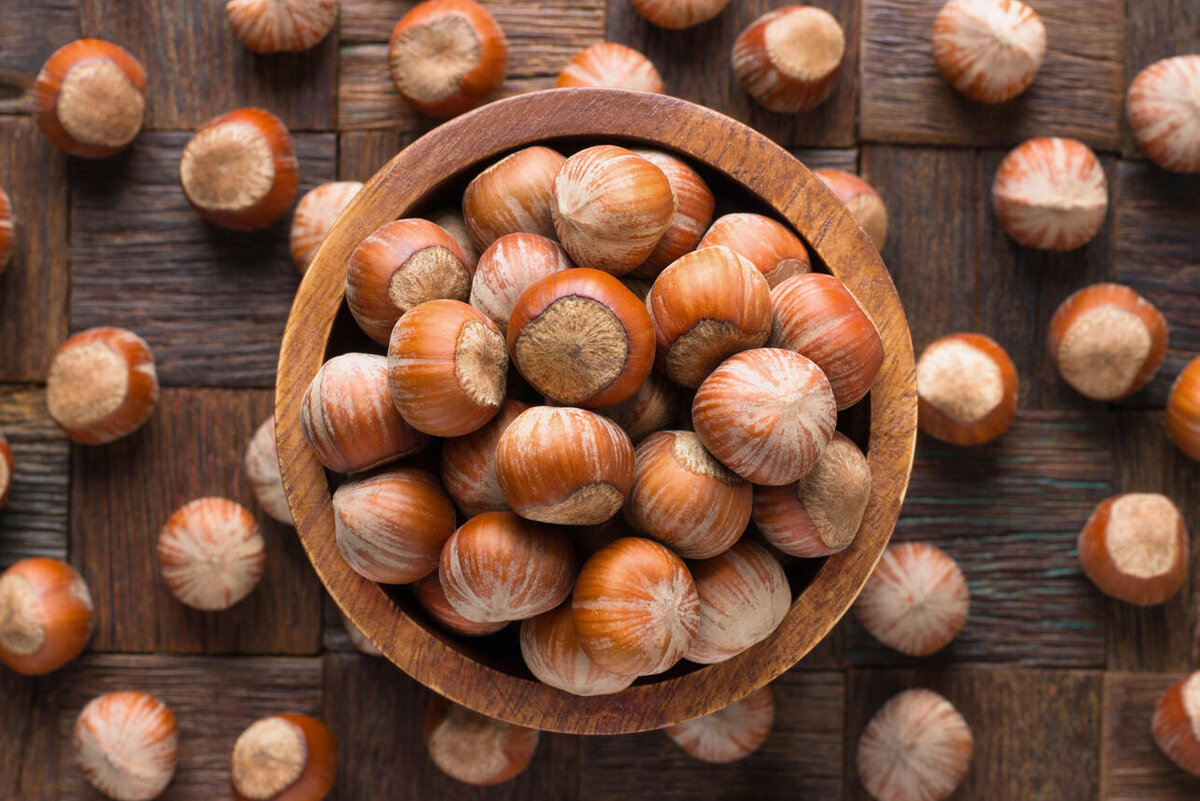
[(45, 615), (990, 50), (239, 170), (767, 414), (820, 514), (432, 598), (966, 389), (554, 656), (694, 204), (610, 208), (211, 553), (473, 748), (348, 417), (1183, 410), (728, 734), (580, 338), (400, 266), (1176, 723), (564, 465), (125, 745), (447, 368), (612, 65), (864, 202), (917, 746), (1162, 111), (1051, 194), (708, 305), (508, 267), (789, 59), (273, 26), (469, 464), (6, 470), (816, 316), (684, 497), (635, 607), (6, 230), (287, 757), (498, 566), (652, 408), (315, 215), (261, 463), (1134, 547), (102, 385), (768, 245), (512, 196), (90, 98), (446, 56), (677, 14), (1107, 341), (390, 526), (452, 222)]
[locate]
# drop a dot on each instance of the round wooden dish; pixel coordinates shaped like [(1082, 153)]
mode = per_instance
[(744, 159)]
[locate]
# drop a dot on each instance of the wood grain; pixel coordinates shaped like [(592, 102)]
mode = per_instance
[(34, 520), (1132, 767), (820, 158), (28, 708), (214, 700), (211, 302), (1154, 31), (123, 493), (30, 31), (1078, 92), (361, 154)]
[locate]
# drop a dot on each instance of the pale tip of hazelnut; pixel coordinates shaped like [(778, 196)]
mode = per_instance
[(966, 388), (1164, 115), (262, 470), (728, 734), (125, 745), (1134, 547), (211, 553), (1050, 193), (1176, 723), (990, 50), (273, 26), (315, 214), (612, 65), (679, 14), (917, 746), (789, 59), (862, 200), (268, 757), (474, 748)]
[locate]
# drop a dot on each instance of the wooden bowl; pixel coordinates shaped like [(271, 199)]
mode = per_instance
[(455, 667)]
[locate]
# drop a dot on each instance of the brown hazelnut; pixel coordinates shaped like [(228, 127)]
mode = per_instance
[(469, 463), (432, 598), (1183, 410), (274, 26), (473, 748), (612, 65), (315, 214), (677, 14), (1176, 723), (789, 59), (286, 757), (451, 221), (262, 470), (512, 196), (211, 553), (1051, 194), (125, 745), (45, 615), (864, 203), (508, 267), (966, 389), (990, 50), (1165, 123), (6, 470), (916, 747), (768, 245), (728, 734), (1134, 548), (554, 656), (694, 204), (651, 408)]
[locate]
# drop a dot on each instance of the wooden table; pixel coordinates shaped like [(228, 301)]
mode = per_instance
[(1057, 682)]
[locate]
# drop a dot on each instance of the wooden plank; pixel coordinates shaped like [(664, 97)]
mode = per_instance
[(28, 707), (34, 520), (377, 712), (1079, 90), (828, 158), (212, 303), (30, 31), (196, 68), (802, 758), (1010, 513), (695, 66), (1132, 767), (214, 700), (124, 492), (1037, 733), (1154, 31), (33, 290), (362, 153)]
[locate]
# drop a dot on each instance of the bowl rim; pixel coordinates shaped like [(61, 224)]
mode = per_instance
[(724, 146)]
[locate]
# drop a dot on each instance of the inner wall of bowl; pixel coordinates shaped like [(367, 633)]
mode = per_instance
[(501, 651)]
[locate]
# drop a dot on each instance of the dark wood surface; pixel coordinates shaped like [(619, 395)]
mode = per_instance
[(1057, 682)]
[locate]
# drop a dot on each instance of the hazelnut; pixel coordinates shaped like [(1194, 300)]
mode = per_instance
[(358, 639), (612, 65), (45, 615), (6, 230), (1107, 341), (447, 366), (315, 215), (694, 204), (512, 196), (768, 245), (239, 170), (446, 56), (1134, 548), (473, 748), (816, 316), (789, 59), (273, 26), (677, 14), (564, 465), (349, 419), (211, 553), (262, 470), (820, 514), (990, 50), (916, 601), (766, 414), (390, 526), (402, 265), (610, 207), (508, 267), (125, 744), (635, 607), (469, 464), (728, 734), (102, 385), (650, 409), (90, 98), (1176, 724), (684, 497), (286, 757), (744, 596), (1051, 194), (966, 389), (916, 747), (432, 598), (554, 656), (580, 338), (1163, 115), (6, 470), (1183, 410), (865, 204), (451, 221)]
